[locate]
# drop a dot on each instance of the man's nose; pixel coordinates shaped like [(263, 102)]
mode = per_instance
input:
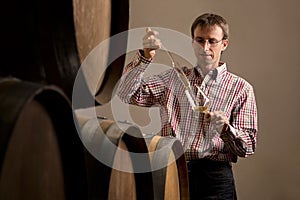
[(206, 45)]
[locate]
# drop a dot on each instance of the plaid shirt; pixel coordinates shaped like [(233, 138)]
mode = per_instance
[(227, 92)]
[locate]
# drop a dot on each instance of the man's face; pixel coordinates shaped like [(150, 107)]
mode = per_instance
[(208, 45)]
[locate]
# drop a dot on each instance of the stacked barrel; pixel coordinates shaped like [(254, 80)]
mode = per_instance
[(46, 152), (132, 165)]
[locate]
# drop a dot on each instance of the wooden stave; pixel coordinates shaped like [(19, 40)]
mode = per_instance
[(70, 147)]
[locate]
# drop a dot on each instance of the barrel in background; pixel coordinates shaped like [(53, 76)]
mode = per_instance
[(45, 41), (110, 165), (170, 177), (41, 155), (116, 172)]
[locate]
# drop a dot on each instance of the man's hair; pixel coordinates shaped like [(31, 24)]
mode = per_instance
[(210, 19)]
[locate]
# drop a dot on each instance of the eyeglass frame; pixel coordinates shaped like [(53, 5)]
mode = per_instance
[(211, 43)]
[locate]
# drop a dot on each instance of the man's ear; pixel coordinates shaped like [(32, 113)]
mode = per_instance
[(225, 44)]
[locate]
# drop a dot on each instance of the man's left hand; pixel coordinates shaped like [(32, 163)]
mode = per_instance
[(219, 119)]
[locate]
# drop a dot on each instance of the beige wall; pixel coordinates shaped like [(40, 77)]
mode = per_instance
[(264, 49)]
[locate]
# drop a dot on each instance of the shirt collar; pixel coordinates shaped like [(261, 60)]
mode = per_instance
[(215, 73)]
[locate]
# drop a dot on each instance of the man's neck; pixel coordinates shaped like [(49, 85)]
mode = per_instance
[(207, 68)]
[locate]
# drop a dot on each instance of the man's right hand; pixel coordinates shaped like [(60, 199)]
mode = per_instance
[(150, 43)]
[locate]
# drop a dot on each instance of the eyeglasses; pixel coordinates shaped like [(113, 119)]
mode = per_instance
[(211, 42)]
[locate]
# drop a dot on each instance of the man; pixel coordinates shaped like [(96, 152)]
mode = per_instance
[(214, 139)]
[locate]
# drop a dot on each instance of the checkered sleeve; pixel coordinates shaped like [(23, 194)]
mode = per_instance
[(240, 138), (133, 89)]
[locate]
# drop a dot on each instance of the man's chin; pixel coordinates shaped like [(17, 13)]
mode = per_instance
[(205, 61)]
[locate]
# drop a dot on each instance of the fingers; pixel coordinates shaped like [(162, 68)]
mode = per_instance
[(151, 43), (150, 40), (149, 33), (207, 117), (218, 118)]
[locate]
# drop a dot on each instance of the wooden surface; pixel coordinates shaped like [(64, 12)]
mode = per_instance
[(170, 178), (41, 155)]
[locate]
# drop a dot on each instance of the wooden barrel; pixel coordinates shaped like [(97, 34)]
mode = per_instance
[(45, 41), (159, 171), (41, 155), (112, 162), (170, 177)]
